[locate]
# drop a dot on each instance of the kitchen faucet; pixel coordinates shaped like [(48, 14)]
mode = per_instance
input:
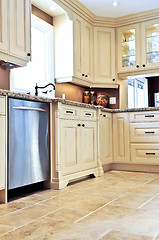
[(49, 84)]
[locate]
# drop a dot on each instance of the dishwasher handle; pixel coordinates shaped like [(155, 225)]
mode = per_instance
[(30, 109)]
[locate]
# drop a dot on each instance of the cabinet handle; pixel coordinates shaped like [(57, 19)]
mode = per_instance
[(137, 66), (149, 132), (88, 114), (149, 115), (82, 74), (86, 75), (143, 65), (83, 125), (78, 125), (113, 79), (150, 153), (69, 112), (28, 54)]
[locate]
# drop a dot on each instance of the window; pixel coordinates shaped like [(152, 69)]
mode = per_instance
[(41, 69), (137, 93)]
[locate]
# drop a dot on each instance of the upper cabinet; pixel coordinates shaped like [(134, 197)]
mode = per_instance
[(15, 34), (104, 55), (138, 47)]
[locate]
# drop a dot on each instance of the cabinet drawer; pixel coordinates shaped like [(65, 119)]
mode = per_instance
[(89, 114), (2, 105), (144, 116), (145, 153), (144, 132), (69, 112)]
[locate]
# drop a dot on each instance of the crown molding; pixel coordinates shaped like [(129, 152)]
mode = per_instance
[(71, 6)]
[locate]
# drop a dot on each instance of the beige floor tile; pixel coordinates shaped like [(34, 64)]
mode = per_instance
[(11, 207), (117, 235), (4, 229), (51, 229)]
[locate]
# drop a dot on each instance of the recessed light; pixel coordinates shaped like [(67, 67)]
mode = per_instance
[(52, 8), (115, 4)]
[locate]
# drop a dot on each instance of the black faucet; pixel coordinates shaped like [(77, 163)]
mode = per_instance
[(49, 84)]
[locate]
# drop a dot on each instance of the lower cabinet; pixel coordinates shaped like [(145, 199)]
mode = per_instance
[(121, 137), (105, 137), (2, 152)]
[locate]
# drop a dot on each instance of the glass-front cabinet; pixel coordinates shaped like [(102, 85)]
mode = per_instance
[(128, 48), (150, 44)]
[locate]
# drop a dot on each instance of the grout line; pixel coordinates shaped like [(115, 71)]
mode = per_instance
[(97, 209), (142, 205), (155, 236), (150, 180), (108, 231), (16, 228)]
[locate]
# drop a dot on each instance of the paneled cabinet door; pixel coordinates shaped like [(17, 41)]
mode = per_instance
[(2, 152), (150, 44), (121, 137), (104, 55), (106, 138), (69, 139), (20, 28), (129, 48), (3, 25), (88, 152)]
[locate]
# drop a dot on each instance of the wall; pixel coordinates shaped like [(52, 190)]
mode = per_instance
[(4, 79), (75, 93)]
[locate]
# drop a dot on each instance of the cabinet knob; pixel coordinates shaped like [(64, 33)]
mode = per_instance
[(83, 125), (137, 66), (28, 54), (86, 75), (79, 125), (113, 79), (104, 115), (143, 65), (82, 74)]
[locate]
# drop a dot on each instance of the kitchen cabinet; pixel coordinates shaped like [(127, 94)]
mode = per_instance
[(105, 138), (83, 49), (75, 149), (121, 137), (138, 47), (15, 31), (104, 56)]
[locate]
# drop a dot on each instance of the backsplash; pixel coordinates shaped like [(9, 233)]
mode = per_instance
[(75, 93)]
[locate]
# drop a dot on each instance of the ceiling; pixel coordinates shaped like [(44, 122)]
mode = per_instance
[(105, 8)]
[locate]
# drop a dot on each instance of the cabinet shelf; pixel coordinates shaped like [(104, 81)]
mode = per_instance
[(128, 56), (127, 42), (152, 37), (157, 52)]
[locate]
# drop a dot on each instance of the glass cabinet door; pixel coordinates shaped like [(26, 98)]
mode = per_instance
[(128, 48), (150, 36)]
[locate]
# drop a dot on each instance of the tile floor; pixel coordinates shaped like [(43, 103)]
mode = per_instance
[(117, 206)]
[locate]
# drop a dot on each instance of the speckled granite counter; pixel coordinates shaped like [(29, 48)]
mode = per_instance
[(72, 103)]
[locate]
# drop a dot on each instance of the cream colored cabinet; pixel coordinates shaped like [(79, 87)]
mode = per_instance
[(138, 47), (75, 144), (15, 31), (2, 151), (121, 137), (104, 56), (105, 137), (83, 49)]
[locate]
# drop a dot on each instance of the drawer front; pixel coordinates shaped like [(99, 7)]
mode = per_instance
[(2, 105), (88, 114), (144, 132), (144, 116), (69, 112), (145, 153)]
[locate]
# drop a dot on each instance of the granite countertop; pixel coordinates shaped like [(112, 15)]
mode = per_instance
[(72, 103)]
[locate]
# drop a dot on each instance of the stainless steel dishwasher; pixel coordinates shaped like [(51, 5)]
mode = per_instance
[(28, 142)]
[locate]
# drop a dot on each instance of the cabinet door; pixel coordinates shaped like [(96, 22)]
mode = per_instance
[(121, 137), (129, 48), (104, 55), (106, 138), (2, 152), (88, 151), (70, 144), (88, 51), (20, 36), (3, 25), (150, 44), (78, 45)]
